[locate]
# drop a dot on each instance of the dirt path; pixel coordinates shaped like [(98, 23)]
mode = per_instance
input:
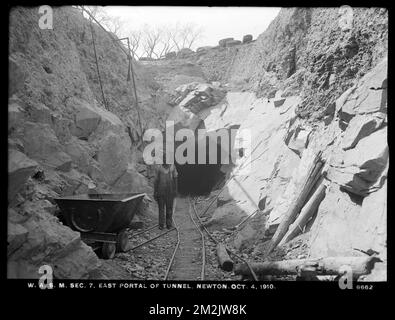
[(187, 263)]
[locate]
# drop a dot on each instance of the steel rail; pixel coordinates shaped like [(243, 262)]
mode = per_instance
[(217, 242), (149, 240), (176, 247), (202, 237), (144, 231)]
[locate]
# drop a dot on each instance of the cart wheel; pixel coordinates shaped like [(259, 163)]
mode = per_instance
[(122, 241), (108, 250)]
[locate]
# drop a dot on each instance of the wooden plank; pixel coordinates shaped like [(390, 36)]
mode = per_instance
[(324, 266), (305, 214), (299, 200)]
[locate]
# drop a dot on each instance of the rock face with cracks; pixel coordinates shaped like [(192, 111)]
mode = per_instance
[(62, 137), (307, 97)]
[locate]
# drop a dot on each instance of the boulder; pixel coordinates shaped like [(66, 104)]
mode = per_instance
[(40, 143), (75, 182), (95, 172), (222, 42), (190, 100), (336, 216), (197, 96), (370, 229), (77, 264), (62, 127), (87, 118), (16, 76), (370, 155), (184, 53), (15, 144), (247, 38), (299, 140), (205, 48), (109, 122), (79, 153), (226, 216), (360, 127), (16, 116), (49, 242), (112, 157), (39, 113), (202, 50), (232, 43), (132, 181), (16, 236), (360, 170), (20, 168), (184, 118), (348, 179), (245, 237), (378, 274), (251, 231), (345, 225), (171, 55), (369, 95), (278, 103)]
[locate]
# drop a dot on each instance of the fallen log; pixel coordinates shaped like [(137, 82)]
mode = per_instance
[(323, 266), (312, 176), (305, 214), (224, 260)]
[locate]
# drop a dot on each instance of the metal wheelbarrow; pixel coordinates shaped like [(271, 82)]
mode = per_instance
[(102, 219)]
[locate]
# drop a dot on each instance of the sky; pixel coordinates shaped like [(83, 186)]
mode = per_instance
[(217, 22)]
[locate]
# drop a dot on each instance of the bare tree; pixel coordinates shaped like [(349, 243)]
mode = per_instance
[(135, 38), (113, 24), (151, 40), (155, 42), (185, 36), (97, 12), (166, 43)]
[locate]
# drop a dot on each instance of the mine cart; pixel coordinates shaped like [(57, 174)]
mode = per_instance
[(102, 219)]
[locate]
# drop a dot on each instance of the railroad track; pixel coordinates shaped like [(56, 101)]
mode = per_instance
[(152, 238), (183, 262), (201, 225)]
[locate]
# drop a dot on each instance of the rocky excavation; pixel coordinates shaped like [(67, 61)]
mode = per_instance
[(312, 95)]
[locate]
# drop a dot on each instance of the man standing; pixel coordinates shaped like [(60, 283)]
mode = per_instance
[(165, 190)]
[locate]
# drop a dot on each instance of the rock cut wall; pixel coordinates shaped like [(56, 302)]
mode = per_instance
[(62, 137)]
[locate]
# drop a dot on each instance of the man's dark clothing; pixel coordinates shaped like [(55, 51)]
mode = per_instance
[(165, 190), (165, 203)]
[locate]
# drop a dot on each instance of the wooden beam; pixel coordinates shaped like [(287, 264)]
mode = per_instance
[(225, 262), (298, 201), (305, 214), (323, 266)]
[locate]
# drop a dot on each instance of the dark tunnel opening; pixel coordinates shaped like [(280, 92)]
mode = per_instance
[(201, 179)]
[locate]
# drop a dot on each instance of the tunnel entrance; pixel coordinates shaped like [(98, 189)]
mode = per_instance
[(200, 179)]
